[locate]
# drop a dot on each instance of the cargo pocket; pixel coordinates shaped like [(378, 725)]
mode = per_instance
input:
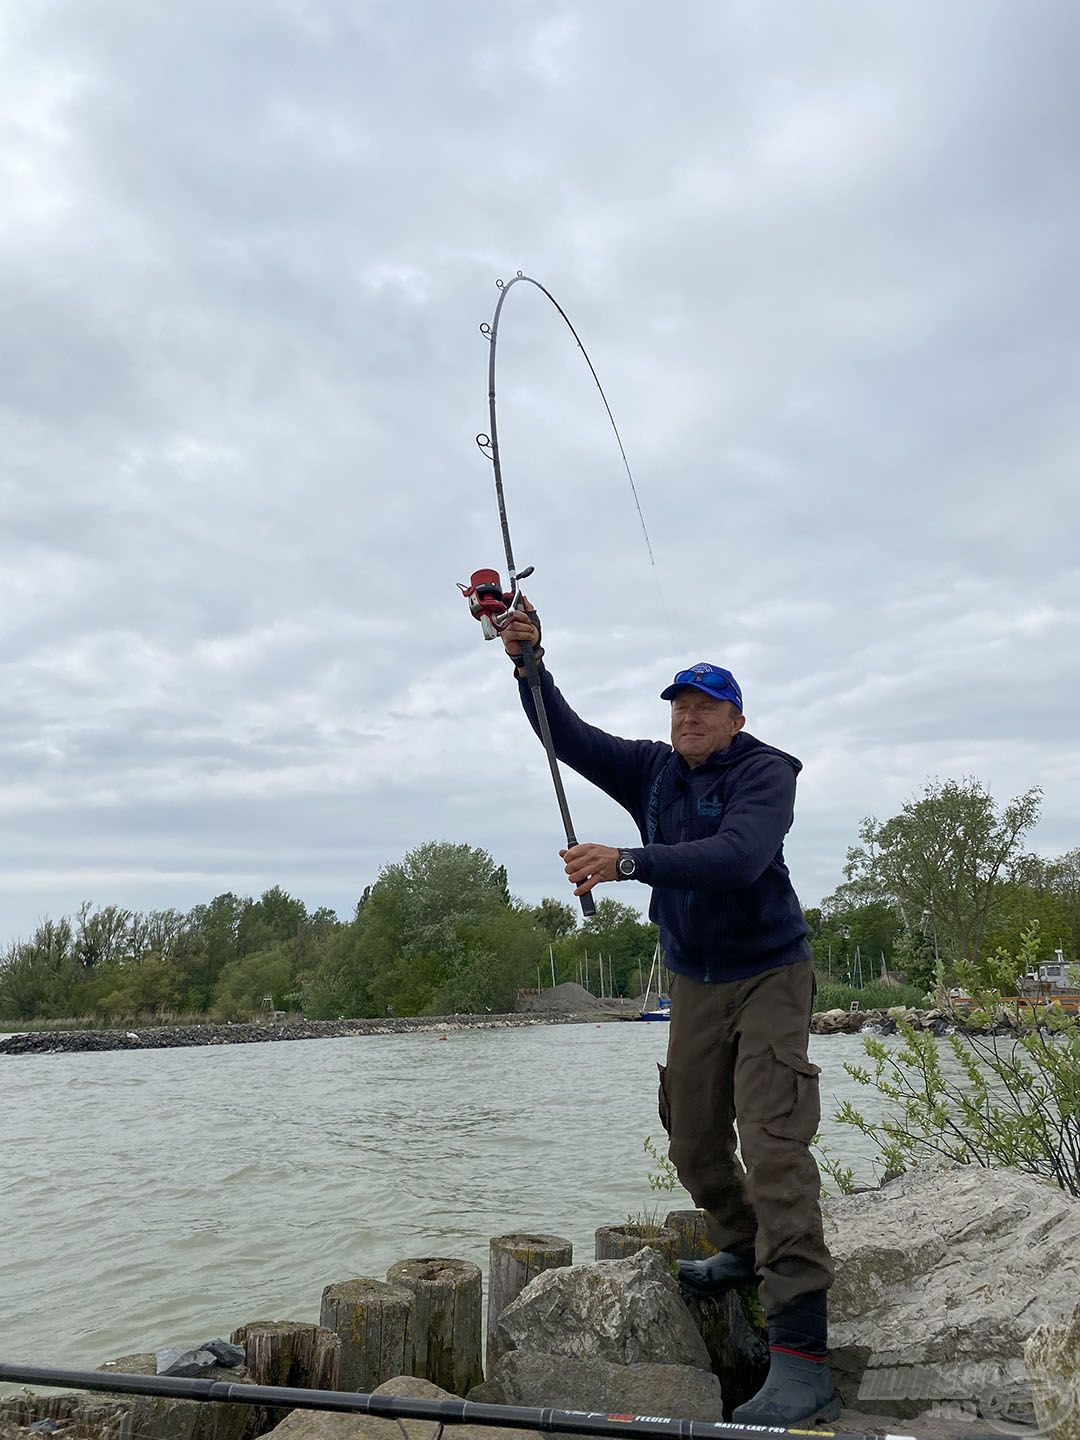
[(663, 1103), (795, 1094)]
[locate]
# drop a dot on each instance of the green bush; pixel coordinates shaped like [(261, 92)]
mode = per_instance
[(1017, 1100), (877, 995)]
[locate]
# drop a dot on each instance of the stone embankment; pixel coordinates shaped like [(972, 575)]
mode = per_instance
[(955, 1302), (166, 1037), (565, 1004), (886, 1022)]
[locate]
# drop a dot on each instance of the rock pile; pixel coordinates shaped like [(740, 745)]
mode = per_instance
[(568, 998), (851, 1022), (955, 1298)]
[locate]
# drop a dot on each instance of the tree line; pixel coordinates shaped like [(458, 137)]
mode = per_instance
[(945, 883), (437, 933)]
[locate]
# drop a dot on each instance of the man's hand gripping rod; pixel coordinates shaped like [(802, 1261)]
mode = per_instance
[(494, 608)]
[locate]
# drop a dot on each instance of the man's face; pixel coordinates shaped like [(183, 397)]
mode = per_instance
[(700, 725)]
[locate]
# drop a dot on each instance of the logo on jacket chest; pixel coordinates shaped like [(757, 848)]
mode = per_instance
[(710, 805)]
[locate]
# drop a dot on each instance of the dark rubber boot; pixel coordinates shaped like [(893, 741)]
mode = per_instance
[(719, 1272), (798, 1389)]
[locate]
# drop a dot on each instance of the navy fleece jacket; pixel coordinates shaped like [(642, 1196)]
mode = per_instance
[(713, 836)]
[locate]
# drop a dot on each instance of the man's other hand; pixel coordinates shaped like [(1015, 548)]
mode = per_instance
[(589, 865)]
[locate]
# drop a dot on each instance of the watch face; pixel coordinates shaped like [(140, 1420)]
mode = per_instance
[(626, 866)]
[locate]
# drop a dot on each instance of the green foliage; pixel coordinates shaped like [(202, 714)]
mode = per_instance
[(618, 933), (665, 1177), (1060, 878), (662, 1181), (875, 996), (555, 918), (941, 862), (840, 929), (1015, 1100), (1017, 907), (117, 964), (842, 1176), (437, 933)]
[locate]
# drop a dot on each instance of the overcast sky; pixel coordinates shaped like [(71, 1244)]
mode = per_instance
[(823, 254)]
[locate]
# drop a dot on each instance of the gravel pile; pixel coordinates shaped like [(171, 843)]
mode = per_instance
[(566, 999)]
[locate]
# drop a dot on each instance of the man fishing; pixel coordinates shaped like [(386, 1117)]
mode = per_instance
[(712, 809)]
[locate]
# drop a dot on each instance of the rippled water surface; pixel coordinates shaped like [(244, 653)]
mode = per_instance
[(152, 1197)]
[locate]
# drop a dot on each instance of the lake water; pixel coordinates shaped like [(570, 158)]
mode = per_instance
[(156, 1197)]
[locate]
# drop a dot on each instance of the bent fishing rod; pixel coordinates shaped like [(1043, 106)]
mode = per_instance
[(442, 1412), (495, 607)]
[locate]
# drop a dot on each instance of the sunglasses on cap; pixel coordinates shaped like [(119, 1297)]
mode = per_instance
[(710, 680)]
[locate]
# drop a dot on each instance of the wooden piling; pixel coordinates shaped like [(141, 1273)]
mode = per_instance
[(290, 1352), (689, 1226), (447, 1320), (618, 1242), (514, 1260), (374, 1323)]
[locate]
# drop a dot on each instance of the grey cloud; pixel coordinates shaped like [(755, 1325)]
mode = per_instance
[(822, 258)]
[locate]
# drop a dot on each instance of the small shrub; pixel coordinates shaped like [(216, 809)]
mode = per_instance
[(1018, 1101)]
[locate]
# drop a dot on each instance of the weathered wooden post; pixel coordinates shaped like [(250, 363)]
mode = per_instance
[(290, 1352), (93, 1417), (617, 1242), (689, 1226), (287, 1352), (737, 1346), (447, 1320), (374, 1322), (514, 1260)]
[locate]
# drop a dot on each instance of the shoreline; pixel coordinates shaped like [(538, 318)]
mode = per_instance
[(171, 1037)]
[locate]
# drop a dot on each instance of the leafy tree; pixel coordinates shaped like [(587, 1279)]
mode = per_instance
[(215, 930), (37, 975), (435, 932), (102, 937), (872, 928), (617, 932), (137, 987), (261, 923), (555, 918), (1060, 878), (1019, 906), (942, 862), (245, 982)]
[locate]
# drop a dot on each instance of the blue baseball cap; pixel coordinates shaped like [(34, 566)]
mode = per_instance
[(711, 680)]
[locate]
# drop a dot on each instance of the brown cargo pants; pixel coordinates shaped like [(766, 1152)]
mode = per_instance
[(737, 1056)]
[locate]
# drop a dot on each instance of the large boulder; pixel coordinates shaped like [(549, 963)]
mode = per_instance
[(157, 1417), (624, 1311), (335, 1425), (528, 1377), (941, 1276), (611, 1336)]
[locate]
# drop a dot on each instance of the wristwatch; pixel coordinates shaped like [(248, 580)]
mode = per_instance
[(625, 866)]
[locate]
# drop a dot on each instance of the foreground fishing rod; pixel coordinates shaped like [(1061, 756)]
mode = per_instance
[(398, 1407), (495, 607)]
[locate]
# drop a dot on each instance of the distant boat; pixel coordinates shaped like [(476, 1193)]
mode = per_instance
[(663, 1002), (662, 1011)]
